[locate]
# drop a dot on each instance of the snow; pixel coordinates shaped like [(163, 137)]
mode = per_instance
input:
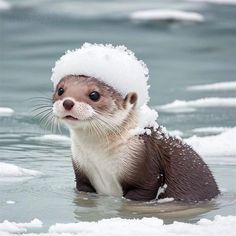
[(165, 200), (116, 66), (230, 85), (176, 133), (51, 137), (221, 2), (10, 202), (220, 225), (166, 15), (221, 145), (6, 111), (161, 190), (149, 226), (13, 227), (146, 118), (190, 106), (213, 130), (4, 5), (10, 170)]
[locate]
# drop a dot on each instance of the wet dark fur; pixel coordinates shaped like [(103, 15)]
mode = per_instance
[(163, 160)]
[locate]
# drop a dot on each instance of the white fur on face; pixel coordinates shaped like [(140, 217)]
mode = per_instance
[(81, 111), (110, 122)]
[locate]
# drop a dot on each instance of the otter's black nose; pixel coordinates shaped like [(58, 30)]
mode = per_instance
[(68, 104)]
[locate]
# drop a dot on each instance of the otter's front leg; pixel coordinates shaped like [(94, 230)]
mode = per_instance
[(83, 184)]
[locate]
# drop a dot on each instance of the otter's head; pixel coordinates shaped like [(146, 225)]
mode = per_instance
[(83, 102)]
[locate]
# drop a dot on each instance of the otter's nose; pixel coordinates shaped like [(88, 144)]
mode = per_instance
[(68, 104)]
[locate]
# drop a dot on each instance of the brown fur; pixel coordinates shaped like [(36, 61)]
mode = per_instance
[(167, 160), (158, 160), (86, 85)]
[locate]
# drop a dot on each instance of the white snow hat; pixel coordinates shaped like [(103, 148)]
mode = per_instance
[(116, 66)]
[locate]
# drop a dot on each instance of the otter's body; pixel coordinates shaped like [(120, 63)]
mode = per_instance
[(109, 159), (161, 166)]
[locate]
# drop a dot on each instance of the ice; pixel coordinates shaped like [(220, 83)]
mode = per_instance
[(190, 106), (166, 15), (176, 133), (223, 2), (51, 137), (220, 225), (10, 170), (230, 85), (13, 227), (221, 145), (165, 200), (10, 202), (6, 111), (4, 5), (149, 226), (116, 66), (213, 130)]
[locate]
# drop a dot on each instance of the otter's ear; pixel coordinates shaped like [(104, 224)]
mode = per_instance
[(131, 98)]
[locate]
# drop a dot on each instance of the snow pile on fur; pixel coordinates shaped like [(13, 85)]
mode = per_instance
[(117, 67)]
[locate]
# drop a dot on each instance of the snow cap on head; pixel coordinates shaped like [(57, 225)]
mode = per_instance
[(116, 66)]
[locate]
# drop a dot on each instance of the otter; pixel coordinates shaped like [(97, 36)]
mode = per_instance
[(109, 159)]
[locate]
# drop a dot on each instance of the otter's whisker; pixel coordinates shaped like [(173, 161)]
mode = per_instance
[(49, 122), (42, 112), (110, 125), (45, 118), (58, 124), (40, 108)]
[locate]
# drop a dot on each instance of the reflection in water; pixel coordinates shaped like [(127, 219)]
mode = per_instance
[(94, 207)]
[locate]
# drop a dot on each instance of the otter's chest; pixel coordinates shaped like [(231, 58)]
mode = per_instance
[(103, 170)]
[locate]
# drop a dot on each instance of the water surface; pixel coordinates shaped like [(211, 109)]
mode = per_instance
[(33, 34)]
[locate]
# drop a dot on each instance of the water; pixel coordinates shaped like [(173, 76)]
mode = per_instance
[(33, 34)]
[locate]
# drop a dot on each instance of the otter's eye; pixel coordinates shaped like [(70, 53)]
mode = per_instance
[(94, 96), (60, 91)]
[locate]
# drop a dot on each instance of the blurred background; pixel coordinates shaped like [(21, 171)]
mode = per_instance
[(180, 50), (189, 47)]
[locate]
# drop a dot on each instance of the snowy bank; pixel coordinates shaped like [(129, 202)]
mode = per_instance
[(10, 202), (13, 227), (190, 106), (166, 15), (221, 225), (10, 170), (221, 145), (4, 5), (177, 133), (51, 137), (211, 130), (230, 85), (221, 2), (6, 111)]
